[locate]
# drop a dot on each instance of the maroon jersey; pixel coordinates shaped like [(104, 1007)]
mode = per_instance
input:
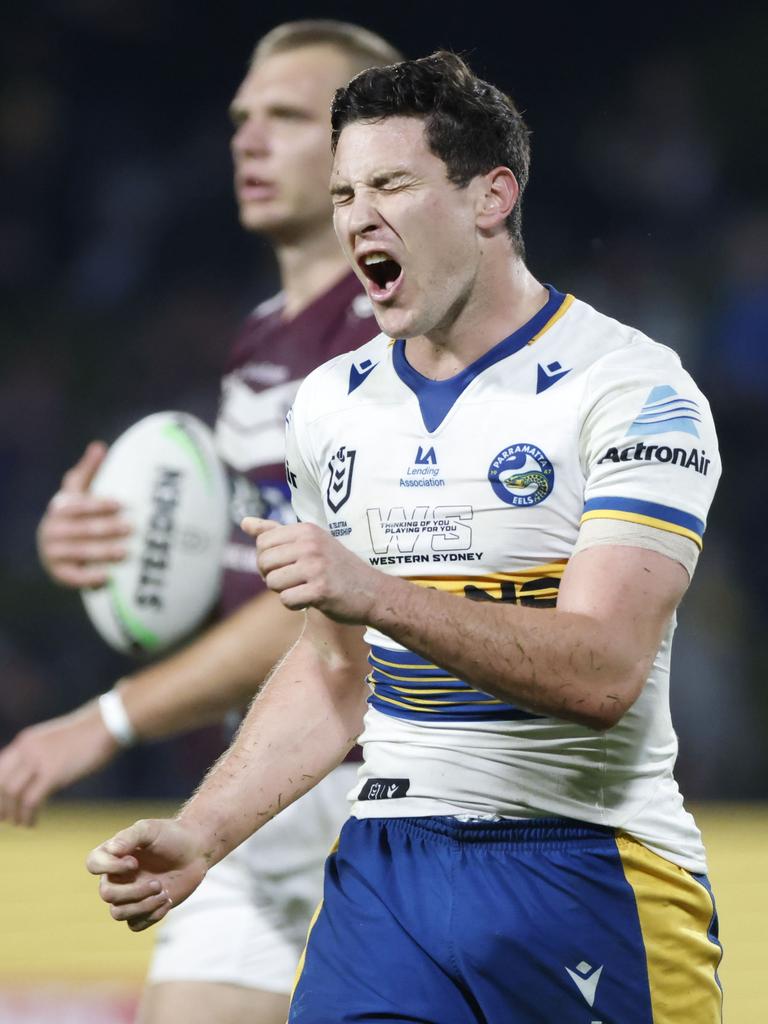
[(269, 359)]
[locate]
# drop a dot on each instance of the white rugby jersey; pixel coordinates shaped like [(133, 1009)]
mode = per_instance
[(478, 485)]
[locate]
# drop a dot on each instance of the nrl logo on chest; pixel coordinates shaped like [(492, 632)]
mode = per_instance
[(340, 468)]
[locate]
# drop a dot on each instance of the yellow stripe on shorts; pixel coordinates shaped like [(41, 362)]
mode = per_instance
[(675, 912), (312, 923)]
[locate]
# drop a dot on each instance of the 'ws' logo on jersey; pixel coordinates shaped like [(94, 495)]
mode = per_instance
[(419, 533), (521, 475), (340, 470)]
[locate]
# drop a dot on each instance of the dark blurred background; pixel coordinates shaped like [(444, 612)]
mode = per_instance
[(123, 275)]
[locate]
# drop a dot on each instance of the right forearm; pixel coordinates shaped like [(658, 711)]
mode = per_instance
[(299, 728), (220, 670)]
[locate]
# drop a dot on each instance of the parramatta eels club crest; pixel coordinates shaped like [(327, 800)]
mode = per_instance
[(522, 475), (340, 478)]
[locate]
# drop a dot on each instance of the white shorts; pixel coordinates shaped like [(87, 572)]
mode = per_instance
[(247, 923)]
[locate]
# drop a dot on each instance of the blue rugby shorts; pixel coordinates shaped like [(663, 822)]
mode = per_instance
[(547, 921)]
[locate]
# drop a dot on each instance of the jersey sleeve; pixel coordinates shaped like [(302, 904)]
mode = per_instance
[(648, 444), (303, 474)]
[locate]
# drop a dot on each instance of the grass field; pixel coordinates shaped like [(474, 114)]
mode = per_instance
[(57, 937)]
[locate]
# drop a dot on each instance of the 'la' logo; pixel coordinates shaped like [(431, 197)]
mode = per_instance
[(340, 480), (427, 458)]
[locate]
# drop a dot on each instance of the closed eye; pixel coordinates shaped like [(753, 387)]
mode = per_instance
[(290, 114)]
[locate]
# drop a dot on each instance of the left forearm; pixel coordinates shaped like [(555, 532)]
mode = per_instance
[(545, 660), (585, 661)]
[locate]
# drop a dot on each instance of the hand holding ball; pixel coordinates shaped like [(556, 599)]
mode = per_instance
[(172, 487)]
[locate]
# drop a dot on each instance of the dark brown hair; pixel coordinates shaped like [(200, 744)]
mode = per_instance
[(469, 124)]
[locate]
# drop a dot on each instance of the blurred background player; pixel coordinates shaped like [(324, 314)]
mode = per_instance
[(230, 954)]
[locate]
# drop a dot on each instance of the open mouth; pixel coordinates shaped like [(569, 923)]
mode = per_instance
[(383, 272), (252, 187)]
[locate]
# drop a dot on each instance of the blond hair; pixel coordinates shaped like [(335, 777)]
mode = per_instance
[(364, 48)]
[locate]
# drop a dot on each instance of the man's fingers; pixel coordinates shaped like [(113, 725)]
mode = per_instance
[(139, 924), (80, 577), (100, 862), (13, 788), (4, 802), (79, 517), (298, 598), (115, 856), (85, 551), (140, 909), (34, 798), (138, 836), (8, 761), (74, 505), (79, 477), (9, 758), (121, 894), (286, 577), (254, 527), (19, 794), (276, 558), (79, 537)]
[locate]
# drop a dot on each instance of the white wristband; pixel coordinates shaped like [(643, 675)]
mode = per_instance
[(115, 718)]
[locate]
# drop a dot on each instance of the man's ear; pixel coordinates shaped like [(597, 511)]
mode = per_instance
[(497, 198)]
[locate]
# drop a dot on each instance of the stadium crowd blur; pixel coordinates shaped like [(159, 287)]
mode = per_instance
[(123, 275)]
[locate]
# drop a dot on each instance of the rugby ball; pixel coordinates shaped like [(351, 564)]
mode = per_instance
[(166, 474)]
